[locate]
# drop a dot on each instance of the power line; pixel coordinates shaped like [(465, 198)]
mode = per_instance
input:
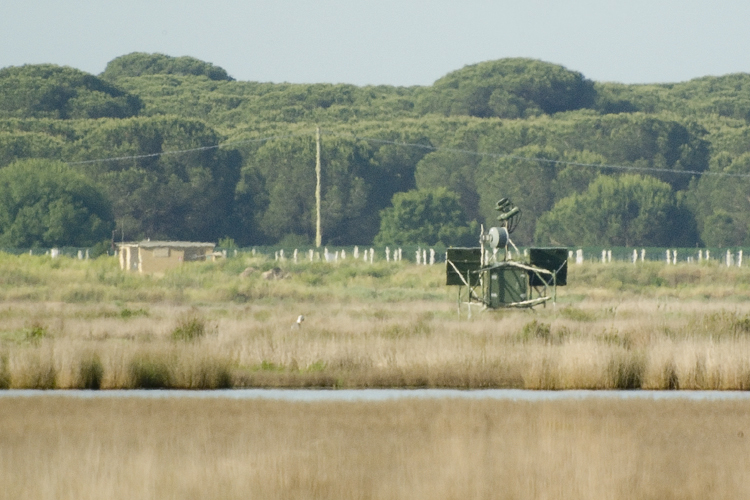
[(185, 151), (532, 159), (542, 160)]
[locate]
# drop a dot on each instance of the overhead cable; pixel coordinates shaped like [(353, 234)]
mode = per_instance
[(542, 160), (185, 151), (426, 147)]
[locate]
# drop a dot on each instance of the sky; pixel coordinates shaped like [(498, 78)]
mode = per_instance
[(389, 42)]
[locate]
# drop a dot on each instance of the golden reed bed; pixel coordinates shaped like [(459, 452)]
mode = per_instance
[(58, 448), (598, 345)]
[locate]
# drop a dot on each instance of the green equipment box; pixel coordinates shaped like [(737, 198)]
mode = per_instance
[(504, 285)]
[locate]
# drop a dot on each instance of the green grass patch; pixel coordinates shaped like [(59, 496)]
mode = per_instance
[(36, 332), (536, 330), (127, 313), (190, 327), (576, 314)]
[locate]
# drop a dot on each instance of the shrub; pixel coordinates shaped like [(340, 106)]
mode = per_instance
[(212, 374), (626, 370), (671, 381), (90, 373), (149, 373), (4, 373)]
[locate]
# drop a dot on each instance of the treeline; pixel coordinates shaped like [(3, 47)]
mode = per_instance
[(174, 148)]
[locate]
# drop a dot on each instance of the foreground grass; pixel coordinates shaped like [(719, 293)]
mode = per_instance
[(585, 449), (84, 324)]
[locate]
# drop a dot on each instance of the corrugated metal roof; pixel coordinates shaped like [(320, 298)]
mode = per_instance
[(169, 244)]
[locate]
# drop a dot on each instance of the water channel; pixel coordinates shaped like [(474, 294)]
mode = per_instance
[(311, 395)]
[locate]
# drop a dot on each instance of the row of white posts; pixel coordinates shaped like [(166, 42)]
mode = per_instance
[(55, 253), (730, 260), (367, 255), (421, 255)]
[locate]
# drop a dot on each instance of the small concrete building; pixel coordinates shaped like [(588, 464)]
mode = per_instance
[(156, 257)]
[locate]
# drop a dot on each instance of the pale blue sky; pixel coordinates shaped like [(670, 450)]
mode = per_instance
[(387, 41)]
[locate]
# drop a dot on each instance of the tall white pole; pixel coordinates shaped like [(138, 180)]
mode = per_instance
[(318, 235)]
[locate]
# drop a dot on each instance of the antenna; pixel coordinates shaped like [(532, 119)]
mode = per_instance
[(509, 214)]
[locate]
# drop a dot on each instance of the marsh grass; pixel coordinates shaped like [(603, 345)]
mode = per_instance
[(535, 330), (379, 325), (36, 332), (429, 449), (148, 371), (90, 372), (190, 327), (626, 370), (34, 369), (213, 374), (4, 372)]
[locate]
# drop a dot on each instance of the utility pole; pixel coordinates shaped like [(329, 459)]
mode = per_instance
[(318, 235)]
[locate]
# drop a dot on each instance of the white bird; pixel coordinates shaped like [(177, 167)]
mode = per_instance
[(298, 324)]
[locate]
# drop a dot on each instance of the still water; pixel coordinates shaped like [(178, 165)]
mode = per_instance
[(308, 395)]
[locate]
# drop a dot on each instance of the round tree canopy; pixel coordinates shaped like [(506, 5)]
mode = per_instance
[(47, 204)]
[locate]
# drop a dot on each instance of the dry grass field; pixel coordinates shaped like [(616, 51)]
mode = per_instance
[(70, 324), (66, 323), (56, 448)]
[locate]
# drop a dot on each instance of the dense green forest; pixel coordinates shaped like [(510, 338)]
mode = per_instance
[(174, 148)]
